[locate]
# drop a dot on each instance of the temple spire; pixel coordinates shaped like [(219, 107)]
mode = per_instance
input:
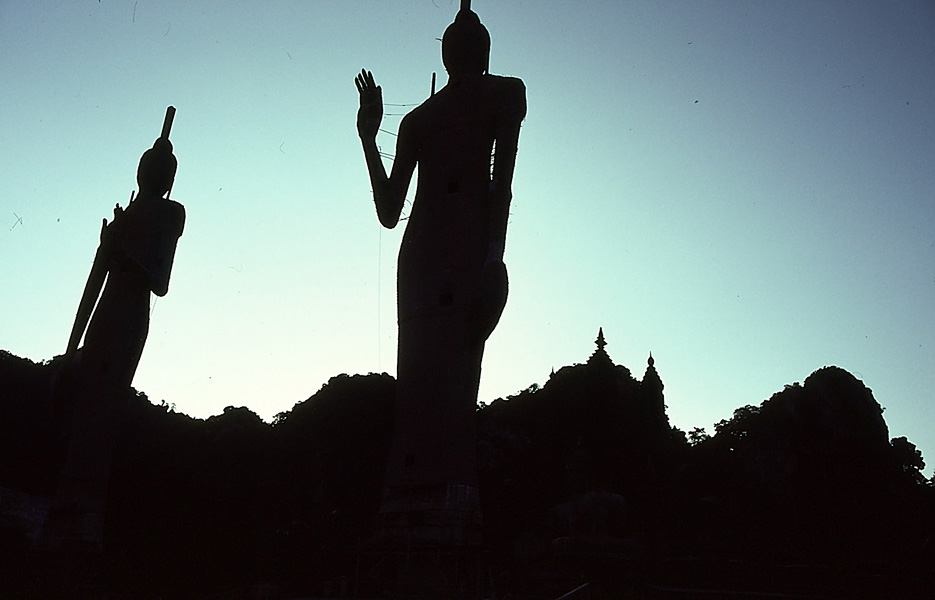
[(600, 355), (652, 399), (600, 339)]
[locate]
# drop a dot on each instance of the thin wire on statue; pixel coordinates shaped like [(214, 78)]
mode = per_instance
[(379, 300)]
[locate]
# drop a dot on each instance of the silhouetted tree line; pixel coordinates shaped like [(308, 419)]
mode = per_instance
[(582, 480)]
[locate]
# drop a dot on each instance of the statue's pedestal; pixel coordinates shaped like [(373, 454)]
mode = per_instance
[(443, 515), (429, 540)]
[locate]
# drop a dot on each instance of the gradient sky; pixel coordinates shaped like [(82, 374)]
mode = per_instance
[(744, 189)]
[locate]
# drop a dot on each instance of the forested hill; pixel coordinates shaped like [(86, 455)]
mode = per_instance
[(582, 479)]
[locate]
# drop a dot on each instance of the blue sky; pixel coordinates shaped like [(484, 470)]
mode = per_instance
[(744, 189)]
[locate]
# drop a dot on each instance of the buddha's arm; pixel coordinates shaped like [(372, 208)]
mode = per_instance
[(501, 186), (389, 193)]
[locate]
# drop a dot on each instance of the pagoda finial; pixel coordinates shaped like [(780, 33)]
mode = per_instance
[(600, 339), (651, 361), (465, 4)]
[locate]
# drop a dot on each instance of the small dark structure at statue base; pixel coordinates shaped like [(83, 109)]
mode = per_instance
[(135, 258), (451, 280)]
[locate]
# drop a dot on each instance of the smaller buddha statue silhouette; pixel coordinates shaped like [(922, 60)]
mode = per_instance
[(134, 258)]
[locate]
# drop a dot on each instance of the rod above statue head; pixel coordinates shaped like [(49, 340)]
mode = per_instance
[(166, 129), (170, 116), (156, 172)]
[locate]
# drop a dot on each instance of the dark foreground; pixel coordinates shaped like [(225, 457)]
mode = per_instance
[(586, 490)]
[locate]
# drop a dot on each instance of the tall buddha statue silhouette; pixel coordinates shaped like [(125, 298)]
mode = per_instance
[(451, 279), (133, 261)]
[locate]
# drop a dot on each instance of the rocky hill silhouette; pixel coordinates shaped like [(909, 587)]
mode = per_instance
[(583, 481)]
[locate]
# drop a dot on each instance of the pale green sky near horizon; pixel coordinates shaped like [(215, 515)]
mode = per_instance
[(744, 189)]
